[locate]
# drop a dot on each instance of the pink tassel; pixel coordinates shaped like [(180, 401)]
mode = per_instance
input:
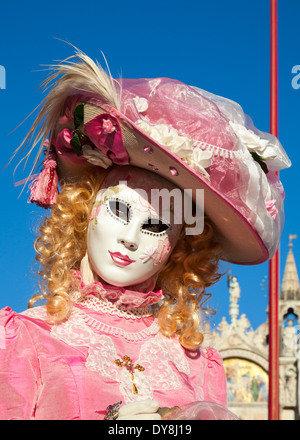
[(44, 189)]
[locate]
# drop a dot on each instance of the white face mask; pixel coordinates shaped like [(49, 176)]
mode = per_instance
[(129, 239)]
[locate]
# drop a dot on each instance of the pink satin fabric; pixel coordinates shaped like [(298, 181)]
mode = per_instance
[(67, 371)]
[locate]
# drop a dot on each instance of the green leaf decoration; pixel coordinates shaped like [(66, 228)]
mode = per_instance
[(83, 137), (76, 144), (78, 115), (260, 161)]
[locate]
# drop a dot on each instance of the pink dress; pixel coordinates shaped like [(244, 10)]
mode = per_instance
[(75, 369)]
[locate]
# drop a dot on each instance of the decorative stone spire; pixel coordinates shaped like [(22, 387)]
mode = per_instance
[(235, 291), (290, 288)]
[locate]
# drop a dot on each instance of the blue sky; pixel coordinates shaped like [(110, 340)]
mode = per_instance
[(222, 47)]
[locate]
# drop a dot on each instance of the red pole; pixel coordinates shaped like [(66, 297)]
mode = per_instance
[(274, 262)]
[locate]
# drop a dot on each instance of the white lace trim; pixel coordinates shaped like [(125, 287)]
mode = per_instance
[(163, 358), (38, 312), (99, 305), (158, 355), (223, 152), (116, 331)]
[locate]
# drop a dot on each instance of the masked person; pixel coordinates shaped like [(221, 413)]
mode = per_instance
[(127, 253)]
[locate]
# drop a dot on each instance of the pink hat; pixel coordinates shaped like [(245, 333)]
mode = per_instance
[(193, 138)]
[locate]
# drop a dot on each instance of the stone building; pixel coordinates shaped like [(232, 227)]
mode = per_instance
[(245, 352)]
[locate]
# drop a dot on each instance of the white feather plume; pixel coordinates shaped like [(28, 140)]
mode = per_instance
[(77, 73)]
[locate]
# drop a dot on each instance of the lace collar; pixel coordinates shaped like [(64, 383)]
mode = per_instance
[(116, 297)]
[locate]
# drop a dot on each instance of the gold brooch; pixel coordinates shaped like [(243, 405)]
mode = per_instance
[(127, 363)]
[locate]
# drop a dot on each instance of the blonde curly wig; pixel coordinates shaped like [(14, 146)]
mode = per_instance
[(192, 267)]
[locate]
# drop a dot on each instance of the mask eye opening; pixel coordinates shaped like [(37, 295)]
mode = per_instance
[(119, 209), (155, 226)]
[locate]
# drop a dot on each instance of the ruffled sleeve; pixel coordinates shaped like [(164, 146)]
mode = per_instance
[(212, 401), (214, 379), (19, 372)]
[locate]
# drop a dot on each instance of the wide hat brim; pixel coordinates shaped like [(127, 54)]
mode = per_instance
[(240, 241)]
